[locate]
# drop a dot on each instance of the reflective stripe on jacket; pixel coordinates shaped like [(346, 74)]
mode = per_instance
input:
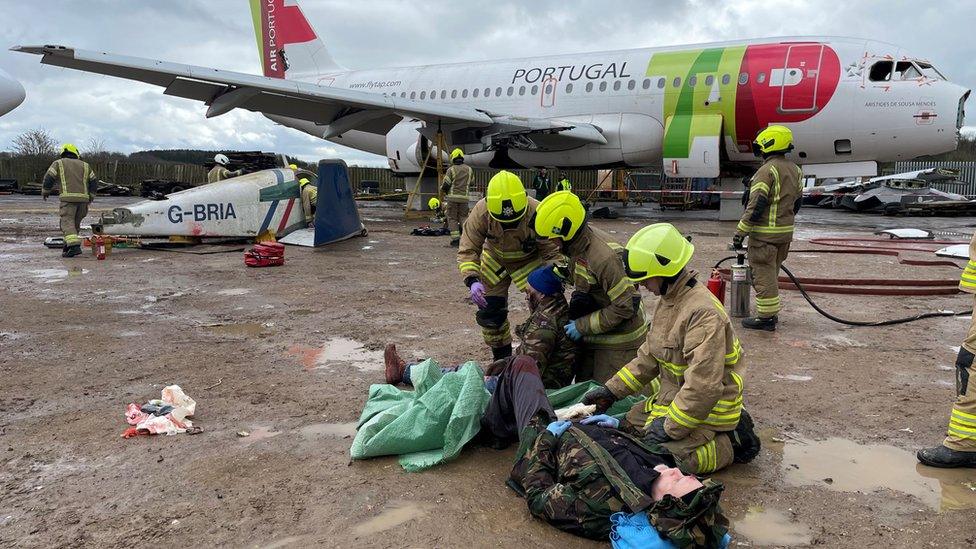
[(781, 183), (76, 179)]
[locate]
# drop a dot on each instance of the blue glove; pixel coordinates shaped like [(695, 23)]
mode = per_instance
[(573, 332), (602, 420), (557, 428)]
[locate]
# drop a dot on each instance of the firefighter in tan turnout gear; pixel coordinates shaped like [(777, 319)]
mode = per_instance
[(775, 194), (691, 359), (499, 246), (606, 310), (454, 190), (77, 184), (959, 447), (220, 172)]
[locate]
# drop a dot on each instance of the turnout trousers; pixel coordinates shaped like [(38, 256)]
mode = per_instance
[(765, 258), (71, 214), (456, 213), (962, 422)]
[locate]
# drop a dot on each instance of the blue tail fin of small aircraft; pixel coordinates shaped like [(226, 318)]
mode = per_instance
[(336, 213)]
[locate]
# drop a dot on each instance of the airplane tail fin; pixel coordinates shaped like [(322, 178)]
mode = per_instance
[(287, 43)]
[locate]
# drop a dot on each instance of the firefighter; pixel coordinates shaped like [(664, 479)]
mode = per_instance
[(310, 196), (564, 185), (454, 191), (499, 246), (775, 194), (691, 359), (608, 316), (77, 189), (220, 172), (959, 447), (542, 184)]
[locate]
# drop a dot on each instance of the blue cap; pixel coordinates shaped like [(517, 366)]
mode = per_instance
[(545, 281)]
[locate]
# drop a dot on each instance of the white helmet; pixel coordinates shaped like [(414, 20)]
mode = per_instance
[(222, 159)]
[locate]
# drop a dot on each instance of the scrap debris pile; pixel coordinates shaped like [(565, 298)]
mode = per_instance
[(166, 415), (909, 193)]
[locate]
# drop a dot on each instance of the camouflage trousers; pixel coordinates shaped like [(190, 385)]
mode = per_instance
[(962, 422), (765, 259), (71, 214), (456, 213), (601, 364)]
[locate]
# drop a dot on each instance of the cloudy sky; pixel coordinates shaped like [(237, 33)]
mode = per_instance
[(130, 116)]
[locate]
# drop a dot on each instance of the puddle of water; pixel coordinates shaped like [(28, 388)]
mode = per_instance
[(131, 334), (854, 467), (245, 329), (342, 351), (283, 542), (336, 430), (367, 247), (833, 341), (793, 377), (234, 291), (54, 275), (398, 513), (770, 527), (259, 433)]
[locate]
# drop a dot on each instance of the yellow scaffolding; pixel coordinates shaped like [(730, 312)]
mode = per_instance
[(417, 193)]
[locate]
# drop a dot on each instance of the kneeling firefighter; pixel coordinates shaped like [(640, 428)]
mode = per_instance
[(774, 196), (608, 316), (499, 246), (691, 358)]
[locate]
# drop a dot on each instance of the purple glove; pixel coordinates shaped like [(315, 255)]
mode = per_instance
[(478, 295)]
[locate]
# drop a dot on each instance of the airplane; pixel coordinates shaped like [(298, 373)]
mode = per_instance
[(12, 93), (691, 110)]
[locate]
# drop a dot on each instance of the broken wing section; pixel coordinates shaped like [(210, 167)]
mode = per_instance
[(692, 145)]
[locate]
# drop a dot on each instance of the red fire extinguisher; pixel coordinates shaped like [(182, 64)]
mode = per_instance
[(100, 247), (716, 285)]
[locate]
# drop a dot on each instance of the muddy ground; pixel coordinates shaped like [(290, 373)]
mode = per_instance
[(288, 354)]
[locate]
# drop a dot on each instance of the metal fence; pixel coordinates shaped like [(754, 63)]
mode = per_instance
[(966, 181)]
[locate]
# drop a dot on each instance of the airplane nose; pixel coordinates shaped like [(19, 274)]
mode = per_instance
[(12, 93)]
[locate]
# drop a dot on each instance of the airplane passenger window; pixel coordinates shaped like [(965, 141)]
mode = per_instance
[(569, 88), (726, 79), (443, 94), (498, 92), (616, 86), (631, 85), (907, 70), (521, 90), (743, 78), (423, 95), (475, 93), (487, 92), (433, 94), (453, 94), (930, 71), (603, 86), (677, 82), (464, 94), (589, 86), (709, 80), (693, 80), (548, 89), (660, 83), (646, 84), (881, 71), (535, 90), (761, 78), (511, 91)]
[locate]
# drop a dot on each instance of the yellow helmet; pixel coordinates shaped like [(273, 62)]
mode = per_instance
[(506, 198), (302, 182), (456, 153), (433, 203), (560, 215), (656, 250), (293, 166), (772, 140), (68, 147)]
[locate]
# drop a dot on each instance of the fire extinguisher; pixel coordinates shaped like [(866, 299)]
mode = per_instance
[(100, 247), (716, 285)]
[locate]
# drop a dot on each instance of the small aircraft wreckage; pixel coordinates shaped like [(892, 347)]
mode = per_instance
[(267, 202)]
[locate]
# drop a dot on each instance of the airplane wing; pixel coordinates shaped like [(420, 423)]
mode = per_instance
[(337, 110)]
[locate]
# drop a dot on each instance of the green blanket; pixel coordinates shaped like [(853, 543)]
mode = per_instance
[(430, 425)]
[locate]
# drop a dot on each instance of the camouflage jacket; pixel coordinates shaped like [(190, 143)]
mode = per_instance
[(574, 484), (544, 339)]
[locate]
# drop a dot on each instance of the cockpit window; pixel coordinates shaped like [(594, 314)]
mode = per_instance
[(907, 71), (881, 71), (929, 71)]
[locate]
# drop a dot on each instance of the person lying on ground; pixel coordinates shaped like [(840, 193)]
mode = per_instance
[(541, 335), (576, 475), (692, 360)]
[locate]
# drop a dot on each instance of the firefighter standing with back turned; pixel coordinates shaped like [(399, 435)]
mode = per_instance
[(499, 246), (774, 198), (606, 309), (77, 189), (959, 447), (454, 189)]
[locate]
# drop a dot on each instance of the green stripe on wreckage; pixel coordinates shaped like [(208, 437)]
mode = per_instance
[(687, 100)]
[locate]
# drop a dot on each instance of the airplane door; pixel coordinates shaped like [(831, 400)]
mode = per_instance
[(798, 79), (549, 92)]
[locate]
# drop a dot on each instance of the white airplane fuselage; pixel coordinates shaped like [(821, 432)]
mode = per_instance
[(848, 102), (12, 93)]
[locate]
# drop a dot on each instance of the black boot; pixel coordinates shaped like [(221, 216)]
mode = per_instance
[(71, 251), (760, 323), (745, 442), (940, 456), (501, 352)]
